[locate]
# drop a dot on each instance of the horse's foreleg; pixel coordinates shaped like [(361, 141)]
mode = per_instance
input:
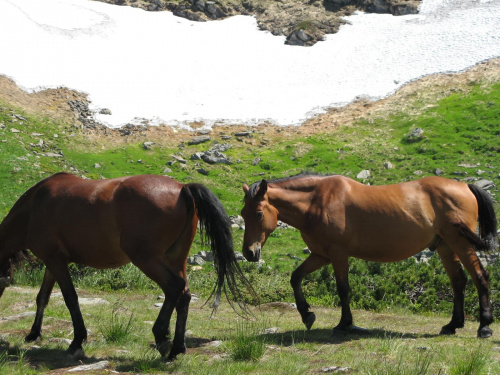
[(42, 300), (311, 264), (458, 280)]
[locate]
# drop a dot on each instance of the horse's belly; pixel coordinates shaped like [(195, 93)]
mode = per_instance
[(390, 248)]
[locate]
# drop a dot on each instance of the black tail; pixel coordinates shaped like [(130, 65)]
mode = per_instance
[(215, 229), (487, 220)]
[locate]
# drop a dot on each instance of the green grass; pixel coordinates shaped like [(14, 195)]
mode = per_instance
[(118, 327), (248, 342), (459, 131)]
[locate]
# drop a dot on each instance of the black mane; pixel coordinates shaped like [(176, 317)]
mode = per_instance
[(255, 186)]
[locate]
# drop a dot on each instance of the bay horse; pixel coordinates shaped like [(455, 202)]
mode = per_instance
[(148, 220), (340, 218)]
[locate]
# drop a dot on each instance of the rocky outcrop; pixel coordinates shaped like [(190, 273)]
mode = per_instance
[(303, 22)]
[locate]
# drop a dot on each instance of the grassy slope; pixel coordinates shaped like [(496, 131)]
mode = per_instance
[(462, 128)]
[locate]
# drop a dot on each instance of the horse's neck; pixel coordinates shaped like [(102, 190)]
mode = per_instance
[(291, 205)]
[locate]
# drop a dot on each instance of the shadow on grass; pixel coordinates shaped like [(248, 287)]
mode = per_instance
[(50, 358), (328, 336)]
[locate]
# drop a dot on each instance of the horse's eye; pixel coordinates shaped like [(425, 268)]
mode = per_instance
[(260, 215)]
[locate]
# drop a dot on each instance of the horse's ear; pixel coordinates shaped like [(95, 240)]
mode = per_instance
[(262, 188), (245, 188)]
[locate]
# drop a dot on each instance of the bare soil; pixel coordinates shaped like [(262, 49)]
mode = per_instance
[(53, 104)]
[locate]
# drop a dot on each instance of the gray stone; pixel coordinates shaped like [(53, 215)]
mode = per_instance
[(438, 172), (196, 260), (364, 174), (415, 135), (97, 165), (198, 139), (52, 155), (147, 145), (485, 184), (92, 367), (203, 171), (302, 35), (388, 165), (105, 111), (242, 134)]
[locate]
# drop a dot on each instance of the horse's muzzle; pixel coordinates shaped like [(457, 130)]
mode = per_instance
[(252, 253)]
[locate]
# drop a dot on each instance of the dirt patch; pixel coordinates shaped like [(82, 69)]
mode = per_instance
[(54, 104)]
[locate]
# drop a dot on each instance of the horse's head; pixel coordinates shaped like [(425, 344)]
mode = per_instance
[(261, 219)]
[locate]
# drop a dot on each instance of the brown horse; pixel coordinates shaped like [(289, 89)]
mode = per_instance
[(147, 220), (340, 218)]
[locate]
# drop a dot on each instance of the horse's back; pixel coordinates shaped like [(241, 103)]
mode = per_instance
[(89, 221), (393, 222)]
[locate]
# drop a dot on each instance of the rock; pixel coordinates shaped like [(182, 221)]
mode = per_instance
[(147, 145), (207, 256), (92, 367), (364, 174), (415, 135), (485, 184), (52, 155), (242, 134), (167, 170), (179, 159), (202, 171), (198, 139), (335, 369), (438, 172), (97, 165), (18, 316), (12, 130), (105, 111), (196, 260), (306, 251), (256, 161), (239, 256), (91, 301), (216, 157), (388, 165), (271, 330)]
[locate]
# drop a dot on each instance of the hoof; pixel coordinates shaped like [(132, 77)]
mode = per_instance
[(175, 352), (484, 333), (76, 354), (309, 320), (447, 331), (32, 336), (164, 348)]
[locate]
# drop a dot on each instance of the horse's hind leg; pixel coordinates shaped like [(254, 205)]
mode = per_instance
[(173, 287), (42, 300), (458, 280), (182, 307), (59, 270), (480, 276), (311, 264)]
